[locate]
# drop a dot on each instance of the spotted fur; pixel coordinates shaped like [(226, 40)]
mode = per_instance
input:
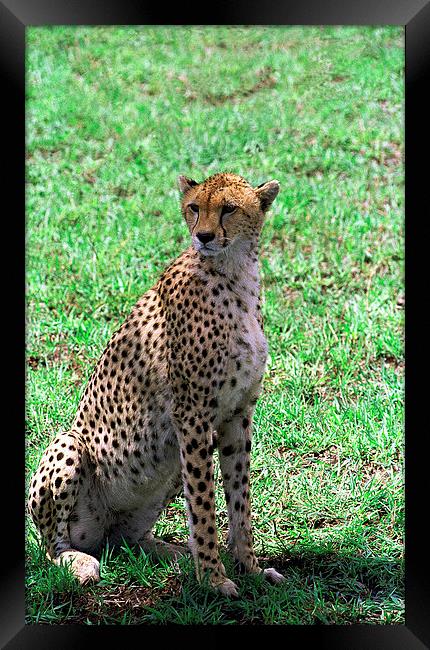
[(187, 362)]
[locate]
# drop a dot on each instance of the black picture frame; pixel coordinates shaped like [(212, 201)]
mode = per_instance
[(414, 15)]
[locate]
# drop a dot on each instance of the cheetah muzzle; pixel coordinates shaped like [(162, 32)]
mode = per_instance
[(187, 362)]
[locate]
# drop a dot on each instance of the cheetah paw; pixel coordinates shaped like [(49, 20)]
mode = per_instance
[(85, 567), (179, 551), (227, 588), (160, 548), (273, 576)]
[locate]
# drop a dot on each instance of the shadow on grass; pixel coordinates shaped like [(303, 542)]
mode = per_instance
[(377, 576), (320, 588)]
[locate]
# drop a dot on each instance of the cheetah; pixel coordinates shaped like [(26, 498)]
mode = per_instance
[(178, 379)]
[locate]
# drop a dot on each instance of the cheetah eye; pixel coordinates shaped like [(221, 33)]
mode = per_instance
[(228, 209), (193, 207)]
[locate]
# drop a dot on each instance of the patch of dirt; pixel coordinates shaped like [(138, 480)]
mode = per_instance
[(291, 294), (338, 78), (324, 522), (379, 474), (61, 354), (123, 192), (314, 172), (384, 360), (89, 177), (34, 362), (373, 469), (391, 156), (286, 451), (388, 107), (97, 605), (60, 336), (44, 152), (330, 455), (324, 391)]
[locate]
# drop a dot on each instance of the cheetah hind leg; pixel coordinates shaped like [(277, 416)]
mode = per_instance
[(53, 495), (83, 566), (160, 548)]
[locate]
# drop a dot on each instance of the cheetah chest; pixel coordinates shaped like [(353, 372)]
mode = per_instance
[(246, 365)]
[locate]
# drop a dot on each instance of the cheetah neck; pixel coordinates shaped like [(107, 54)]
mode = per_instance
[(239, 265)]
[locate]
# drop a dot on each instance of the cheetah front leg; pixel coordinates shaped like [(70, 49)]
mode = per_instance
[(234, 447), (196, 449)]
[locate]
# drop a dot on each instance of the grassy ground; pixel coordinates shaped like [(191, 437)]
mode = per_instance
[(113, 116)]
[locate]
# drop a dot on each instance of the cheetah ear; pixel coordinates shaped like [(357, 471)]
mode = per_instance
[(267, 193), (186, 183)]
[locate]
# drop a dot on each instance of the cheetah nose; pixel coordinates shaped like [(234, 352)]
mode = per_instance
[(204, 237)]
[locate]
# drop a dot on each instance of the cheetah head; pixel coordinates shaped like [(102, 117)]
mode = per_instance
[(224, 210)]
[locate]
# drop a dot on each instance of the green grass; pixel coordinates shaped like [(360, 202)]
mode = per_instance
[(113, 116)]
